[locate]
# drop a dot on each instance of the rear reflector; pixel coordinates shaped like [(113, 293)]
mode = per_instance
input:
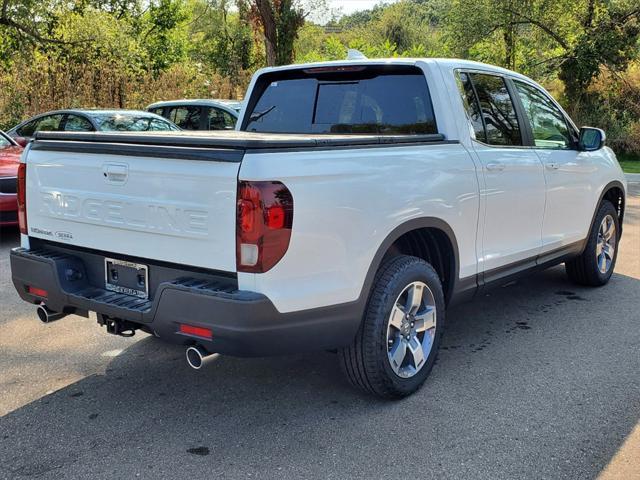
[(38, 292), (196, 331), (22, 197)]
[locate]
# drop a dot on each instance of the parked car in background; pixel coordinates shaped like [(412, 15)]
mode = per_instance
[(199, 114), (10, 153), (90, 121)]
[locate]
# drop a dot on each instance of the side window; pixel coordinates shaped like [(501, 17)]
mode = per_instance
[(28, 129), (220, 120), (4, 143), (229, 120), (157, 110), (498, 112), (50, 123), (76, 123), (187, 118), (471, 105), (548, 124), (157, 125)]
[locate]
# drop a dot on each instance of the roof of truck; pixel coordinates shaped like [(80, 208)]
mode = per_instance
[(446, 62)]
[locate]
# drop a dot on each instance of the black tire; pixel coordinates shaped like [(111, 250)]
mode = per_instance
[(365, 362), (584, 270)]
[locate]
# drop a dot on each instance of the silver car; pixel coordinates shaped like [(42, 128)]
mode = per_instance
[(199, 114), (87, 120)]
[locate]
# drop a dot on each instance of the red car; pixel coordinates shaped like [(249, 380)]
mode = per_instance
[(9, 160)]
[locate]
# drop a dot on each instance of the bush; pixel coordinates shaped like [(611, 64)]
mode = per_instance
[(29, 88), (613, 104)]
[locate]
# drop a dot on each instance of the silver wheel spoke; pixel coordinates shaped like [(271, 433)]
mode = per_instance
[(397, 354), (414, 299), (610, 229), (608, 251), (602, 263), (397, 315), (426, 320), (415, 347)]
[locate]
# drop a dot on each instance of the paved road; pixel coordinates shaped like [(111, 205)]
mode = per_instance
[(539, 379)]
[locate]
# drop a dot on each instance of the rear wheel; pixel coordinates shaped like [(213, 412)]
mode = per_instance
[(396, 345), (595, 266)]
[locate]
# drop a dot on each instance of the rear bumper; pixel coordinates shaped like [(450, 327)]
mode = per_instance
[(243, 323)]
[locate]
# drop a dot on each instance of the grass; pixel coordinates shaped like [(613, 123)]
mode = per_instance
[(629, 163)]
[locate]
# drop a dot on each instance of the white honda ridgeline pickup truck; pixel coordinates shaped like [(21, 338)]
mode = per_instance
[(355, 201)]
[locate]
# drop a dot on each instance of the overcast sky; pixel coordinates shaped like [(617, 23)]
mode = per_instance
[(345, 7), (350, 6)]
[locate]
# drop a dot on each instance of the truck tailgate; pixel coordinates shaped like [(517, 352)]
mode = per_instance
[(162, 203)]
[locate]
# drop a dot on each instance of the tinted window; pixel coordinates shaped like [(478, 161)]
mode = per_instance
[(187, 118), (471, 105), (47, 123), (76, 123), (547, 121), (131, 123), (220, 120), (28, 129), (157, 110), (157, 125), (498, 112), (368, 100)]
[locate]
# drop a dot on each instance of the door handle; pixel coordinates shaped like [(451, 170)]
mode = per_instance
[(552, 166), (495, 167)]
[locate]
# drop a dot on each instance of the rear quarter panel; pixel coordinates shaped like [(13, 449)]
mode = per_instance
[(347, 201)]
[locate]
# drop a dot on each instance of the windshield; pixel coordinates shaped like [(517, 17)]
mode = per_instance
[(120, 122), (343, 100)]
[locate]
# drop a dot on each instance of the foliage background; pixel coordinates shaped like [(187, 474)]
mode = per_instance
[(129, 53)]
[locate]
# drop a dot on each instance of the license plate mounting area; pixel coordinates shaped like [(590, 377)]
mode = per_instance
[(125, 277)]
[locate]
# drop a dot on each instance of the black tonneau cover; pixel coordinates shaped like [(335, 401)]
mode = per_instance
[(227, 146), (234, 139)]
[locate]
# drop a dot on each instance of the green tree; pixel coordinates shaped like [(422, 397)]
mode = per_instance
[(279, 21), (165, 36), (578, 38)]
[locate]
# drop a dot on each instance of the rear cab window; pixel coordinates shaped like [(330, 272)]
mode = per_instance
[(381, 100)]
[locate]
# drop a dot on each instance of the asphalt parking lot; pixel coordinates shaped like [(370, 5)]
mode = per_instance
[(538, 379)]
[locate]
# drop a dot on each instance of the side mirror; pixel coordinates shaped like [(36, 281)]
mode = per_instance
[(23, 142), (591, 139)]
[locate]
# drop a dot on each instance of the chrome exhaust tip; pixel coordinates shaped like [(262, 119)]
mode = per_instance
[(46, 315), (198, 356)]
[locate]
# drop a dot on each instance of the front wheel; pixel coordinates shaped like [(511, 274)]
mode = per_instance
[(595, 266), (397, 343)]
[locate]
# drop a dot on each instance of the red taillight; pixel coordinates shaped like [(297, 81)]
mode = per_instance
[(38, 292), (196, 331), (22, 197), (263, 228)]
